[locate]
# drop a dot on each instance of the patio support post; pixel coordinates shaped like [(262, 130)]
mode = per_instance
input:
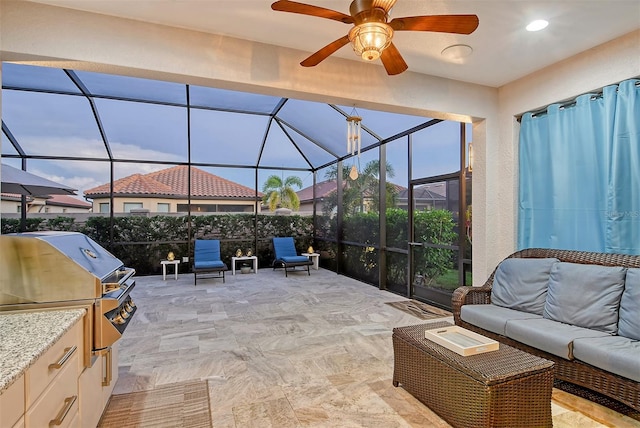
[(23, 202), (313, 195), (382, 217), (462, 206), (409, 217), (339, 214), (255, 214), (189, 220)]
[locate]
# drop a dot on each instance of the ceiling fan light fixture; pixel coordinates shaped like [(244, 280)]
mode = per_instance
[(369, 39)]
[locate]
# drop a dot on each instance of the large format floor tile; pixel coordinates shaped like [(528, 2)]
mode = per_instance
[(296, 351)]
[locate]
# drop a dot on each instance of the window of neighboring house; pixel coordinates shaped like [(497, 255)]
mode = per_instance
[(163, 207), (19, 208), (104, 207), (46, 209), (128, 206), (64, 210)]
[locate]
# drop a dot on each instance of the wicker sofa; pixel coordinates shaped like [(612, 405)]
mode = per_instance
[(559, 304)]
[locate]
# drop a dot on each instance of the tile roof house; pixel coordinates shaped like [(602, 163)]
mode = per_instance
[(166, 191), (323, 190), (54, 204)]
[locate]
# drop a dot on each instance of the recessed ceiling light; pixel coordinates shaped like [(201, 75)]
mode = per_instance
[(457, 53), (537, 25)]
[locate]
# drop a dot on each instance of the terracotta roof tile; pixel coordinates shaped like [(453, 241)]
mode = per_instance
[(67, 201), (173, 181), (323, 189)]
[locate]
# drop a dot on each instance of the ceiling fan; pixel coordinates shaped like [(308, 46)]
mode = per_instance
[(372, 32)]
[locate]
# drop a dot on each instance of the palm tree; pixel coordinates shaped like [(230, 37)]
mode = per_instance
[(355, 191), (371, 178), (280, 194)]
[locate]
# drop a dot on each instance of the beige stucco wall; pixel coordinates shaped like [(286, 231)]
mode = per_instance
[(151, 204), (65, 38)]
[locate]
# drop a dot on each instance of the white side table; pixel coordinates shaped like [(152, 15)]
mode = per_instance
[(164, 264), (236, 259), (315, 258)]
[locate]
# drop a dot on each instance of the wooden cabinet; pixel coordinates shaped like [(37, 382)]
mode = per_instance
[(12, 404), (96, 385), (47, 394), (59, 356), (51, 383), (58, 404)]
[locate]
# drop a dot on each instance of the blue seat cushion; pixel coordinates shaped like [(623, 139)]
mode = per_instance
[(585, 295), (492, 317), (550, 336), (629, 321), (284, 247), (295, 259), (209, 264), (521, 284), (614, 354)]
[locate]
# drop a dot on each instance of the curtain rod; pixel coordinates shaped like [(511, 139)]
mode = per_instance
[(570, 102)]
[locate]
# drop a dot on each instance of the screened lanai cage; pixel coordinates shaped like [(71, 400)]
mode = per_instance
[(158, 164)]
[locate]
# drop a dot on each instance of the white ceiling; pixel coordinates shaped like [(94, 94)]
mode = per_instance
[(503, 50)]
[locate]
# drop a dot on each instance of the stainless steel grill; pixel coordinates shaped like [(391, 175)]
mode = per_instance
[(59, 269)]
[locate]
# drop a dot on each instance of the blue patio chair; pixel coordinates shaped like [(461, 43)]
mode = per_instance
[(206, 259), (286, 255)]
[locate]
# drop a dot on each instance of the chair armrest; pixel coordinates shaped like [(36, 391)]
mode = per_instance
[(468, 295)]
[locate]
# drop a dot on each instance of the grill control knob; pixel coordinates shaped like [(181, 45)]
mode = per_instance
[(128, 307), (124, 314), (118, 320), (133, 305)]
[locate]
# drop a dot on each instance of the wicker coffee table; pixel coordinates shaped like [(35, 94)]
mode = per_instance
[(503, 388)]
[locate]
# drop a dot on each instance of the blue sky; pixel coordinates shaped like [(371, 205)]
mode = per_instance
[(63, 125)]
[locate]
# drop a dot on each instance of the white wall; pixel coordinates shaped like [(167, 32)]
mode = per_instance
[(66, 38)]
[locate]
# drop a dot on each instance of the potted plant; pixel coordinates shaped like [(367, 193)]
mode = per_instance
[(245, 268)]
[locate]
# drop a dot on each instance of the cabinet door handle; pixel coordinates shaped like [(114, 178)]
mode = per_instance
[(68, 353), (68, 404), (108, 375)]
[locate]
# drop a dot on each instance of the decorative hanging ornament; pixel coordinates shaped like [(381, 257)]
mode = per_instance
[(354, 128), (238, 252), (353, 174)]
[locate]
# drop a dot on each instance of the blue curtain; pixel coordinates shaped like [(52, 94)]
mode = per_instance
[(579, 184)]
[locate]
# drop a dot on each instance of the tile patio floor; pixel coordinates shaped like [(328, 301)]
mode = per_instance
[(302, 351)]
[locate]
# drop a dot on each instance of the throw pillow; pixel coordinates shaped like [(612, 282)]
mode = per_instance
[(521, 284), (585, 295), (629, 322)]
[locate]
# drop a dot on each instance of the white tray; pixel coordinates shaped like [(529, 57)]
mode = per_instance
[(461, 341)]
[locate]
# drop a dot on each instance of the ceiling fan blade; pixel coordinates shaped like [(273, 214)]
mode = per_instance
[(384, 4), (459, 24), (307, 9), (323, 53), (392, 60)]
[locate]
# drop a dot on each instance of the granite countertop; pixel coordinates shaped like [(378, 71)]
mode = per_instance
[(25, 336)]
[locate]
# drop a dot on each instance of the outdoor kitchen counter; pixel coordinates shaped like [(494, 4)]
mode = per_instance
[(25, 336)]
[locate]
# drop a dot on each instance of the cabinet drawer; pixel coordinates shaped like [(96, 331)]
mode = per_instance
[(53, 361), (59, 401), (12, 403)]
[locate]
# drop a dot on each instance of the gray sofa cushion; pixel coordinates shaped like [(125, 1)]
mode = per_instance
[(521, 284), (629, 322), (585, 295), (551, 336), (615, 354), (491, 317)]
